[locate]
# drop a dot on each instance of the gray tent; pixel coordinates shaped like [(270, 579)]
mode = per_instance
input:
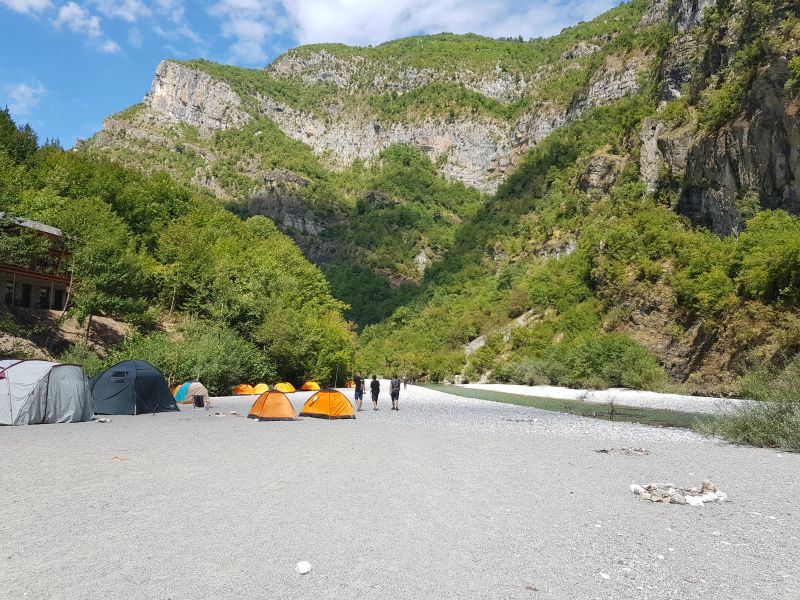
[(39, 391)]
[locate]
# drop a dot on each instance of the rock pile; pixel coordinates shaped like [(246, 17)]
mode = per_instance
[(668, 493)]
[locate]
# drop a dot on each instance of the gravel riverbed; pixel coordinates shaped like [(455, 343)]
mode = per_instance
[(449, 497), (635, 398)]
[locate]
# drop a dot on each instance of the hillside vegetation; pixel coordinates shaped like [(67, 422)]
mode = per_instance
[(643, 231), (146, 249)]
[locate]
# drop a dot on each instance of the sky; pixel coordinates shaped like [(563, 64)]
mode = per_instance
[(68, 64)]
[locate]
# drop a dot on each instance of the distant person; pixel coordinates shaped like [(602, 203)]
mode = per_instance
[(405, 382), (394, 392), (375, 388), (359, 381)]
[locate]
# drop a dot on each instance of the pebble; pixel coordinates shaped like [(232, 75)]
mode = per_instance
[(304, 567), (605, 575)]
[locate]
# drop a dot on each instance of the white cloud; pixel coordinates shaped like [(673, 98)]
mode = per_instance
[(365, 22), (78, 19), (23, 98), (108, 46), (27, 6), (250, 23), (127, 10)]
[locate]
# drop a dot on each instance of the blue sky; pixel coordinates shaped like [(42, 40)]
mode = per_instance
[(70, 63)]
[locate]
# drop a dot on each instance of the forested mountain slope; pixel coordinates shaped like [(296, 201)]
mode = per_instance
[(206, 294), (596, 208)]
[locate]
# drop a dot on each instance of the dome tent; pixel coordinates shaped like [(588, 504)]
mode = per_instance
[(272, 406), (260, 388), (40, 391), (285, 387), (185, 393), (243, 389), (310, 386), (328, 404), (132, 387)]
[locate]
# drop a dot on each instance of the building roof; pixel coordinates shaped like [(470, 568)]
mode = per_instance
[(49, 229)]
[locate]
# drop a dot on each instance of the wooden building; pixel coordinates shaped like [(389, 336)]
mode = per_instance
[(37, 279)]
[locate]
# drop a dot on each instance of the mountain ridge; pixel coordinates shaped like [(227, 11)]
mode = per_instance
[(425, 188)]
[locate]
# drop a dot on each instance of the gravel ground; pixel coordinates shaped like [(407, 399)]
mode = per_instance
[(634, 398), (448, 498)]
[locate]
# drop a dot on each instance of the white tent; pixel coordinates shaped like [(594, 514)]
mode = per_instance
[(39, 391)]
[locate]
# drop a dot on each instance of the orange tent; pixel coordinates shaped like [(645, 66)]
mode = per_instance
[(285, 387), (260, 388), (310, 386), (272, 406), (243, 389), (350, 384), (328, 404)]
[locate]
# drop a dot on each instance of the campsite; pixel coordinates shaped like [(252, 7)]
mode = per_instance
[(450, 497), (421, 299)]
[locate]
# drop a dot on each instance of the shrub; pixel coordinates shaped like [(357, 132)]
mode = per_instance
[(83, 355), (613, 360), (217, 356), (774, 421)]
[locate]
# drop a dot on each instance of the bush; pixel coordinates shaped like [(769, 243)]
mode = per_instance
[(83, 355), (773, 422), (217, 356), (613, 360)]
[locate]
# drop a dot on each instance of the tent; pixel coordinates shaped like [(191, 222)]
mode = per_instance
[(350, 384), (328, 404), (260, 388), (40, 391), (244, 389), (272, 406), (285, 387), (310, 386), (184, 394), (132, 387)]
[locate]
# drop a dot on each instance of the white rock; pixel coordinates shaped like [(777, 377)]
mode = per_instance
[(605, 575), (694, 501), (304, 567), (637, 489)]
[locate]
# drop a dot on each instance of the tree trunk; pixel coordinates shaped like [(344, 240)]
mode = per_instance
[(88, 328)]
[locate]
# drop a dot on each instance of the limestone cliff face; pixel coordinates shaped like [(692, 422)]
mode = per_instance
[(756, 158), (190, 96), (726, 172), (478, 150), (357, 73)]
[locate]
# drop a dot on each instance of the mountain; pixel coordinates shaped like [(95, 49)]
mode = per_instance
[(596, 208)]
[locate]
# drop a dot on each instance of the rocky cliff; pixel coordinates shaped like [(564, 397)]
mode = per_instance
[(475, 118), (734, 150)]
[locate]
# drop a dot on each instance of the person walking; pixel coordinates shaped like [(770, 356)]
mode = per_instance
[(375, 389), (394, 392), (405, 382), (359, 381)]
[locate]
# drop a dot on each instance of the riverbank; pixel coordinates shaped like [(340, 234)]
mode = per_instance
[(639, 399)]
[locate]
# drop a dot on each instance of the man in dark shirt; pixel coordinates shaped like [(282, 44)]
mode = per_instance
[(394, 392), (375, 388), (359, 381)]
